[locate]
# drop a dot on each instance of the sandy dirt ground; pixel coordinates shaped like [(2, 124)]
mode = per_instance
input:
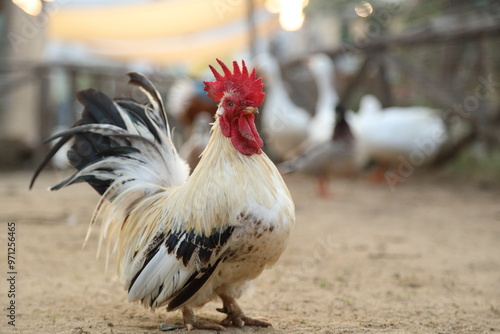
[(424, 258)]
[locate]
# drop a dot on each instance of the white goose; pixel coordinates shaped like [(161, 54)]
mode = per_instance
[(284, 124), (396, 135), (321, 127)]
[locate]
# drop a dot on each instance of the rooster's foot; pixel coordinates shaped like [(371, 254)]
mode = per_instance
[(191, 323), (236, 317)]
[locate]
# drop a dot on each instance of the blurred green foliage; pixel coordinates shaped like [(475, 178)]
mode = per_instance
[(477, 165)]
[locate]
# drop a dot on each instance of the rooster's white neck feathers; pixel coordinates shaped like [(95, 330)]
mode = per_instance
[(234, 181)]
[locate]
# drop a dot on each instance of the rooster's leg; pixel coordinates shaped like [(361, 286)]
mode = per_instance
[(191, 323), (236, 316)]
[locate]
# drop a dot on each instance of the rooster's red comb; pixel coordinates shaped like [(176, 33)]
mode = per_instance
[(239, 80)]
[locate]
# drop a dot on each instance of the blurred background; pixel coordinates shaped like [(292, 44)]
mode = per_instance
[(443, 55)]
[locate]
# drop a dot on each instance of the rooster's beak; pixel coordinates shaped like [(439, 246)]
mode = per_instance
[(251, 110)]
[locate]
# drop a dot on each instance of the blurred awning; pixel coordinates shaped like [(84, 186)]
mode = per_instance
[(162, 31)]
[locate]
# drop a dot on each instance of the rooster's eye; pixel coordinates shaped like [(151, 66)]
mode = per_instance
[(230, 104)]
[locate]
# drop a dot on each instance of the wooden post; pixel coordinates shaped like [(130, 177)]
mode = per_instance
[(45, 119), (356, 81), (434, 88), (384, 88), (73, 88)]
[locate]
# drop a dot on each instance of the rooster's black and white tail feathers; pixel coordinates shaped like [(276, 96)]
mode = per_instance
[(119, 143)]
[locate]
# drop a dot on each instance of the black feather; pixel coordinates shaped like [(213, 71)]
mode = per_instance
[(204, 254), (150, 253), (137, 111), (186, 248), (191, 244), (102, 131), (205, 246), (171, 242), (194, 283), (99, 108), (83, 178), (47, 158), (119, 150), (144, 83)]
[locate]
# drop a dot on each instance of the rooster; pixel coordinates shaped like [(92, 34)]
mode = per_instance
[(182, 241)]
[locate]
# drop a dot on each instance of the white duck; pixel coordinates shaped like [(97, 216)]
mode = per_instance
[(396, 135), (321, 127), (284, 124)]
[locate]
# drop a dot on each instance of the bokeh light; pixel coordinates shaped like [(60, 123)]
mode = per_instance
[(291, 12), (31, 7), (364, 9)]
